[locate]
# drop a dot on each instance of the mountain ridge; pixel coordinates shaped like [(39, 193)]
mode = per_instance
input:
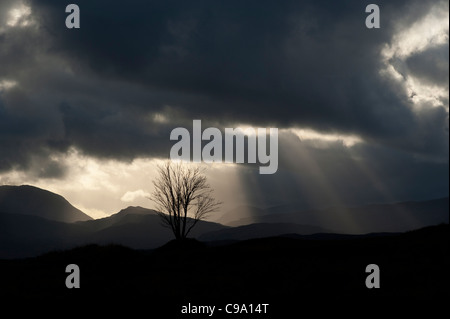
[(31, 200), (396, 217), (260, 230), (23, 234)]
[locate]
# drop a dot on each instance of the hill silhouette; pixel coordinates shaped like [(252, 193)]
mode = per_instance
[(247, 215), (29, 200), (129, 214), (396, 217), (287, 273), (35, 221), (261, 230), (135, 227)]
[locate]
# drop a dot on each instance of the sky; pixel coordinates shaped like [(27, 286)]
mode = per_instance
[(362, 113)]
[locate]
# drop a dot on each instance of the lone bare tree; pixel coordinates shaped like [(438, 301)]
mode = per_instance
[(182, 196)]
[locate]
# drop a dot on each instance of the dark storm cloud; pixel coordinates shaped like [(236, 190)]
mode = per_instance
[(314, 63), (286, 63), (112, 134), (302, 58), (431, 65), (24, 130)]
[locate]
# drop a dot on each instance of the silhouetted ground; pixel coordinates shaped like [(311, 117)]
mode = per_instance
[(292, 275)]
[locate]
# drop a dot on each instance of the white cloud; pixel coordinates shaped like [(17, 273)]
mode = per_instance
[(132, 196), (308, 134), (19, 16), (7, 84), (429, 32)]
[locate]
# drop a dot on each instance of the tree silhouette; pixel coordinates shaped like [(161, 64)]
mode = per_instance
[(182, 196)]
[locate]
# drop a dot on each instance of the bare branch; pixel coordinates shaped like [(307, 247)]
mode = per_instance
[(182, 197)]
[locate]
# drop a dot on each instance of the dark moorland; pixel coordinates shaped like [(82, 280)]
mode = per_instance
[(292, 274)]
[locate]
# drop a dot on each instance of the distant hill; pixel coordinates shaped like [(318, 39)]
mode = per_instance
[(143, 231), (261, 231), (135, 210), (29, 200), (126, 215), (397, 217), (135, 227), (27, 236), (34, 221), (241, 215)]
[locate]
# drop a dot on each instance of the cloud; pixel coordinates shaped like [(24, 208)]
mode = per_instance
[(114, 89), (431, 65), (237, 61), (131, 196)]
